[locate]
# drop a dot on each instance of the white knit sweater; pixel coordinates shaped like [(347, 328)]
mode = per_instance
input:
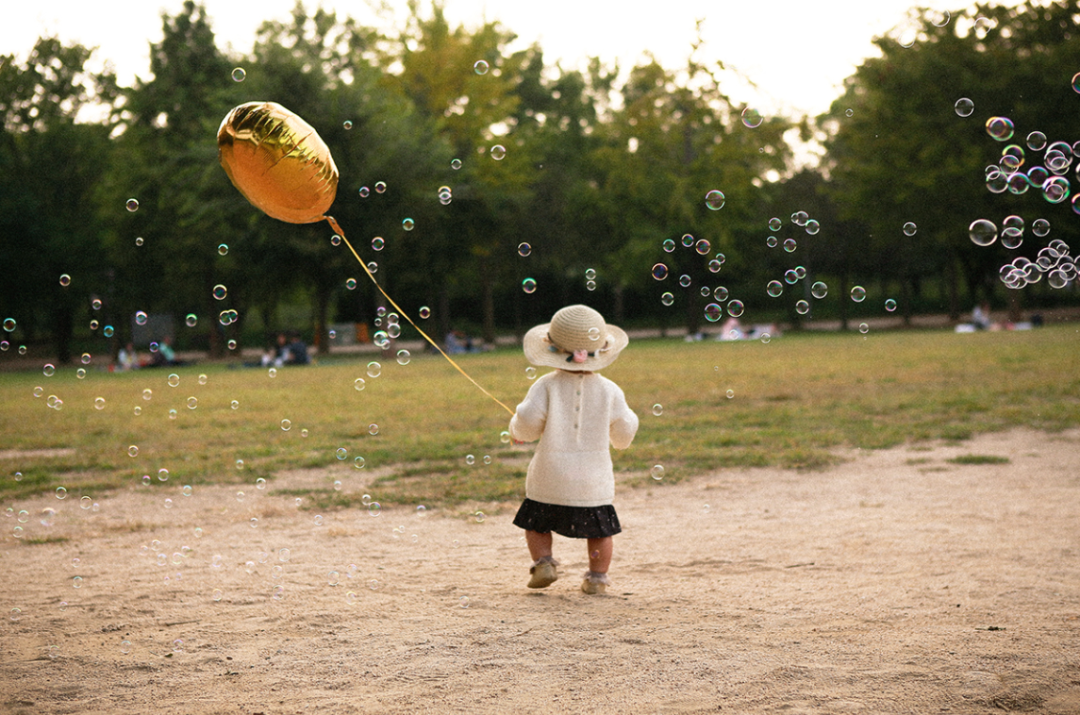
[(575, 416)]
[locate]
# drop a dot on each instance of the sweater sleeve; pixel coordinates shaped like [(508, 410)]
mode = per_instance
[(624, 422), (529, 419)]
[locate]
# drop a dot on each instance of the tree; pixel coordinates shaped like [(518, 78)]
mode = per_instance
[(898, 152), (50, 167)]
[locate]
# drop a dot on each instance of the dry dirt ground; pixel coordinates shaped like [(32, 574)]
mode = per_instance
[(897, 582)]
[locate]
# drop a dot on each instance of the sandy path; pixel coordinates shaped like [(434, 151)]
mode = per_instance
[(894, 583)]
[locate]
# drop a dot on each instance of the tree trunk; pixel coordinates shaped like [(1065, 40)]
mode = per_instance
[(952, 282), (65, 323), (905, 299), (487, 283), (843, 301), (322, 309), (618, 307)]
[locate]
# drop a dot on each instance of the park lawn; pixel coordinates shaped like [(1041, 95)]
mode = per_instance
[(793, 403)]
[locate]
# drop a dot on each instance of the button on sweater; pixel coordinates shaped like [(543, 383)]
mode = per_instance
[(576, 416)]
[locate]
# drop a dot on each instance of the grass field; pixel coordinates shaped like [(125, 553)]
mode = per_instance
[(793, 402)]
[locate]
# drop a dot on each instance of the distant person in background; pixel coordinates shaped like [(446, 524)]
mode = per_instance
[(275, 356), (297, 353), (165, 356), (980, 317), (128, 358)]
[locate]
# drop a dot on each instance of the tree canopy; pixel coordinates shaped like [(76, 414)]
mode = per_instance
[(471, 173)]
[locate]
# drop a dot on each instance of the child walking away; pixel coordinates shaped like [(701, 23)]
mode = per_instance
[(575, 414)]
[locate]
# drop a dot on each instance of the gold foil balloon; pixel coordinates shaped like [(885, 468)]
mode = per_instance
[(278, 162)]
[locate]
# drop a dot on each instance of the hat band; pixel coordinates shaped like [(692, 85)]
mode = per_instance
[(576, 355)]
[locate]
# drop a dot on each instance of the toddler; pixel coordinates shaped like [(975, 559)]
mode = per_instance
[(575, 413)]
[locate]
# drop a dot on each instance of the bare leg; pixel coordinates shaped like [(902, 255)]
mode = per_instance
[(540, 544), (599, 554)]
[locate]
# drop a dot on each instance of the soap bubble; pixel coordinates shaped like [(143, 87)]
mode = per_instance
[(524, 249), (374, 369), (735, 308), (408, 224), (1012, 238), (238, 74), (61, 493), (864, 328), (858, 294), (455, 164), (684, 280), (1040, 227), (910, 228), (982, 232), (771, 241), (667, 299), (286, 425), (528, 285), (713, 312), (479, 516), (380, 187), (657, 409), (751, 118), (775, 224), (48, 370), (660, 271), (424, 312), (403, 357), (65, 280), (657, 472), (890, 305), (819, 290), (498, 152), (132, 205), (470, 459), (347, 124), (668, 245), (374, 509), (359, 384), (790, 245), (964, 107), (774, 288), (812, 227), (702, 247), (530, 373), (373, 429), (1000, 128), (358, 462), (715, 199), (480, 67), (802, 307), (220, 292)]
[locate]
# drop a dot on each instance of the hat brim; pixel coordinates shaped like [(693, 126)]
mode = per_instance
[(539, 353)]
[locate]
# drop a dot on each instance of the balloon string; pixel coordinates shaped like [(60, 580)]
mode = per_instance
[(337, 229)]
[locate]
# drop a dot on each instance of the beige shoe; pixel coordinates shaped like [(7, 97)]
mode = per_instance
[(543, 573), (594, 583)]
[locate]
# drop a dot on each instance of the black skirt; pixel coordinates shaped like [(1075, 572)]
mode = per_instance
[(575, 522)]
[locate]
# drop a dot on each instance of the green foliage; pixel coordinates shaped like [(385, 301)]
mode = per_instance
[(978, 459), (898, 151)]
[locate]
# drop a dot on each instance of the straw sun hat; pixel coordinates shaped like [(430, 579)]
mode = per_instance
[(577, 338)]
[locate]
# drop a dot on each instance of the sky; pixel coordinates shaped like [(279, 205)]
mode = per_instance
[(797, 53)]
